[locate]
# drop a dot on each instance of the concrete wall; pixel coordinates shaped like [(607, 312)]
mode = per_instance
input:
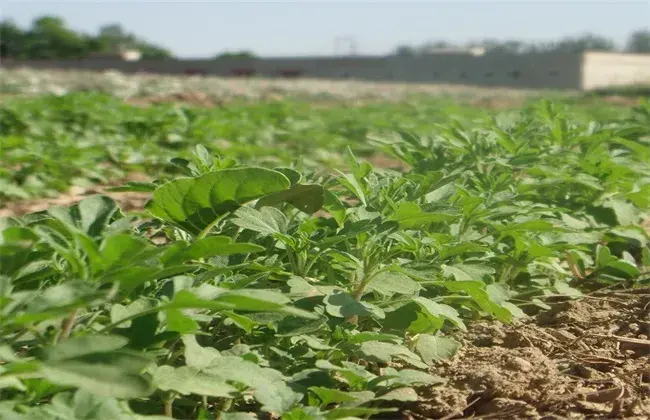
[(608, 69), (537, 71)]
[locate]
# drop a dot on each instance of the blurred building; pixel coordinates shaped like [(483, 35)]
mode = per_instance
[(575, 71)]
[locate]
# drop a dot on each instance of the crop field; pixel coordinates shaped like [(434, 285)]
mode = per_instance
[(217, 249)]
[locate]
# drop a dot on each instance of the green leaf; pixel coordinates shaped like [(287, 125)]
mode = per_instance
[(410, 216), (440, 310), (103, 380), (603, 256), (291, 174), (343, 305), (636, 233), (91, 215), (302, 288), (241, 300), (371, 336), (197, 356), (388, 283), (83, 345), (411, 376), (586, 180), (449, 251), (120, 312), (268, 385), (498, 293), (243, 322), (58, 300), (626, 213), (194, 203), (350, 182), (566, 290), (121, 250), (434, 348), (208, 247), (400, 394), (134, 186), (308, 198), (81, 405), (179, 322), (95, 213), (462, 272), (529, 226), (379, 351), (336, 208), (476, 290), (328, 396), (190, 380), (312, 342), (629, 270), (11, 382), (267, 220)]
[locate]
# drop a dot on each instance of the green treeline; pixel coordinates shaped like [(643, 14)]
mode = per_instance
[(49, 37)]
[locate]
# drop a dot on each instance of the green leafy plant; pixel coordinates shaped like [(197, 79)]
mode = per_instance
[(307, 295)]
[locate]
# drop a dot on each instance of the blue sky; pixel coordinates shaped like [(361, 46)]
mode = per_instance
[(204, 28)]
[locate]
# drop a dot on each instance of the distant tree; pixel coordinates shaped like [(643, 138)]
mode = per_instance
[(501, 47), (50, 38), (12, 40), (567, 45), (152, 51), (639, 42), (587, 42), (405, 50), (236, 54), (428, 47), (113, 39)]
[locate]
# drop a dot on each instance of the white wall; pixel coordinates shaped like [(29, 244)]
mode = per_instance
[(611, 69)]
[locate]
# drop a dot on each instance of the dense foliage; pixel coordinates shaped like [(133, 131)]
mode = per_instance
[(637, 43), (277, 288), (51, 143), (49, 37)]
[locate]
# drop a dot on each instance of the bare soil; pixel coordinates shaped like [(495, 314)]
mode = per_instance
[(127, 201), (579, 360), (197, 99)]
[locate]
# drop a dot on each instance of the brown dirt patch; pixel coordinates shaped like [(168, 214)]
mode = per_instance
[(581, 359), (127, 201), (498, 102), (386, 162), (621, 100), (197, 99)]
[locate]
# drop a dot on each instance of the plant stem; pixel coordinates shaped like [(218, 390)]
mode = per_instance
[(68, 324), (209, 227), (505, 274), (168, 407), (365, 282), (358, 293)]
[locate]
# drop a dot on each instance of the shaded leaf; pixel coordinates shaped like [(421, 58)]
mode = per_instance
[(434, 348), (194, 203)]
